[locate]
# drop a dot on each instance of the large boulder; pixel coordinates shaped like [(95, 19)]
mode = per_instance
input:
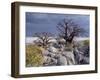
[(70, 57), (81, 57), (61, 60), (45, 52), (49, 61), (52, 49)]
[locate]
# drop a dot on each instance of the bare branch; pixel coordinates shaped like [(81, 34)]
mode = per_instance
[(68, 29), (44, 38)]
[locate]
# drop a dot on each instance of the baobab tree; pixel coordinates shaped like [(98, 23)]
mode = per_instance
[(68, 30), (44, 38)]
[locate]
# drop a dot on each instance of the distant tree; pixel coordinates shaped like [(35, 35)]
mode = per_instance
[(68, 30), (44, 38)]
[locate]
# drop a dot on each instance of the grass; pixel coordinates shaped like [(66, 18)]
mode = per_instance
[(34, 56)]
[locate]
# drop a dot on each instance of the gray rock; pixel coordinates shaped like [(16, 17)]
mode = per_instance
[(52, 49), (50, 54), (49, 61), (80, 58), (70, 57), (45, 52), (53, 62), (61, 60)]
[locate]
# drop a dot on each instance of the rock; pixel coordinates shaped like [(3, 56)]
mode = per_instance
[(85, 60), (53, 62), (50, 54), (45, 52), (70, 57), (49, 61), (56, 56), (61, 60), (77, 56), (52, 49), (80, 58)]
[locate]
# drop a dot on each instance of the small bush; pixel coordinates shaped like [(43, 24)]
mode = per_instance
[(86, 42), (69, 47), (34, 56)]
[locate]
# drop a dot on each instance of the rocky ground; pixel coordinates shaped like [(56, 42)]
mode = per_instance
[(75, 57)]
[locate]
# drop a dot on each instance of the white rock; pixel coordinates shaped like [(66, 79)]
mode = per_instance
[(70, 57), (52, 49)]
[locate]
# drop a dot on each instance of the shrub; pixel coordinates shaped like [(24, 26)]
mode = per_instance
[(69, 47), (86, 43), (34, 56)]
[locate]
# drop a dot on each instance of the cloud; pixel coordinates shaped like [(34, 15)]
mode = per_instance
[(38, 22)]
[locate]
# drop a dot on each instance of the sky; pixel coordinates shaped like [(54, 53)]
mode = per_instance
[(47, 22)]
